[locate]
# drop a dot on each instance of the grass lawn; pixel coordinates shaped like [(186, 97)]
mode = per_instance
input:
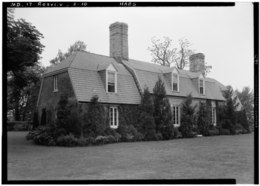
[(205, 157)]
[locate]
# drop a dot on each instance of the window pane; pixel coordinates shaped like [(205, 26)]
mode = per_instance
[(174, 78), (111, 87), (174, 86), (201, 90), (115, 118), (111, 116), (177, 115), (111, 77), (201, 83), (173, 114)]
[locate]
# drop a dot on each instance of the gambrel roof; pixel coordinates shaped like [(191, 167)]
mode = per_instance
[(148, 74), (84, 71)]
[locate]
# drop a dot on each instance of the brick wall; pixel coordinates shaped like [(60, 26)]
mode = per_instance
[(119, 40)]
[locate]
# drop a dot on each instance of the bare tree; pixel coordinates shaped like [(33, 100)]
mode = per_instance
[(164, 54)]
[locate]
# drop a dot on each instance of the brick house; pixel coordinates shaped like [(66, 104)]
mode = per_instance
[(119, 81)]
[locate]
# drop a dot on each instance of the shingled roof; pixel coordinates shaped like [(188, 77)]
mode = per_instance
[(148, 74), (83, 68)]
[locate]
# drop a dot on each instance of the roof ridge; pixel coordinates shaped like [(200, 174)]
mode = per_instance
[(75, 54), (95, 54)]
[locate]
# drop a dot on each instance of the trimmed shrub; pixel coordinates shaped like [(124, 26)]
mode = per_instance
[(224, 131), (129, 133), (41, 136), (101, 140), (112, 132), (67, 140), (176, 132), (213, 131)]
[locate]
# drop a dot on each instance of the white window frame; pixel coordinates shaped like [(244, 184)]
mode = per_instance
[(203, 84), (55, 83), (178, 82), (214, 116), (113, 125), (176, 110), (115, 73)]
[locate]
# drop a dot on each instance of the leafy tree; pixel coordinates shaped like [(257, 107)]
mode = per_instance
[(203, 119), (23, 44), (162, 111), (188, 120), (246, 97), (146, 120), (77, 46), (23, 53), (94, 119), (22, 92), (164, 54)]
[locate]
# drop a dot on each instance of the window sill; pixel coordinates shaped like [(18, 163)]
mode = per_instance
[(111, 92), (176, 125), (113, 127)]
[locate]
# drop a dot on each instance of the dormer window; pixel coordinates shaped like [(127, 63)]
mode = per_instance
[(111, 79), (55, 84), (175, 80), (111, 82), (202, 86)]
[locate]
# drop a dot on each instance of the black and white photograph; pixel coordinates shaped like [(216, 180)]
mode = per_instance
[(129, 92)]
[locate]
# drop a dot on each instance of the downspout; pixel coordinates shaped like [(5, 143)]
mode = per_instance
[(42, 78)]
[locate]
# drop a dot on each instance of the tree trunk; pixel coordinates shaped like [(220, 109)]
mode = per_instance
[(17, 112)]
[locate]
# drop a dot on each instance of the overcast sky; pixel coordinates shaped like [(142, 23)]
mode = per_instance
[(223, 34)]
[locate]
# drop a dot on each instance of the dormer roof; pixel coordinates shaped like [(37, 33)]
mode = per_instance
[(83, 68)]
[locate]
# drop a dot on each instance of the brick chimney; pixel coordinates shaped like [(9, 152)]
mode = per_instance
[(119, 40), (197, 63)]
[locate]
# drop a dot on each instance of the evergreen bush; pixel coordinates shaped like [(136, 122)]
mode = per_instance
[(162, 111), (94, 119), (188, 120), (203, 119), (146, 121)]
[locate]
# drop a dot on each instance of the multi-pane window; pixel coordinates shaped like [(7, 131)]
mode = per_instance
[(175, 80), (55, 83), (214, 116), (176, 116), (113, 117), (201, 86), (111, 82)]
